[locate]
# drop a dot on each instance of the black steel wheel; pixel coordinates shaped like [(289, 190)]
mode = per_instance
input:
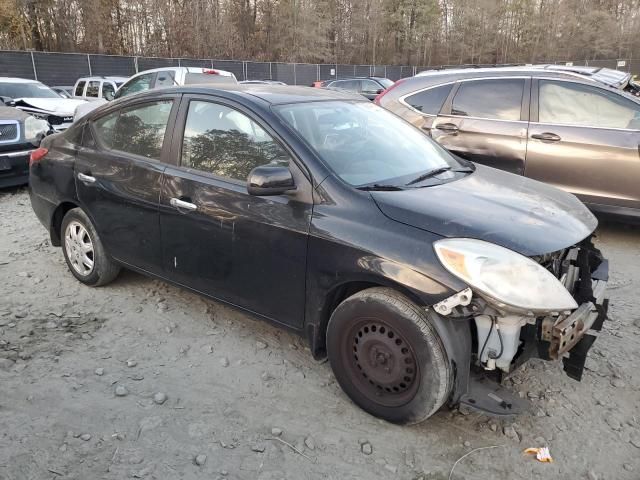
[(387, 356)]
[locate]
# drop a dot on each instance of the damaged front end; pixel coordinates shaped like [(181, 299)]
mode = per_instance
[(505, 336)]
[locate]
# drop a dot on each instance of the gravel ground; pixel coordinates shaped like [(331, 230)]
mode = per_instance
[(142, 380)]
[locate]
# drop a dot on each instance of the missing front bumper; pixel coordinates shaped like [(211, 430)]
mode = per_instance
[(569, 338)]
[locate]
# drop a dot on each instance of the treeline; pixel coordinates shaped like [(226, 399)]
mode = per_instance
[(410, 32)]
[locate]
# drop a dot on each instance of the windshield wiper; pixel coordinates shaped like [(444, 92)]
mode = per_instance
[(378, 187), (429, 174), (436, 171)]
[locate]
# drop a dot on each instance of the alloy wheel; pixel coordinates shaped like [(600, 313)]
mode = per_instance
[(79, 248)]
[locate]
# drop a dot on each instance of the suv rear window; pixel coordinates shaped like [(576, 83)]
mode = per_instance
[(195, 78), (499, 99), (429, 101)]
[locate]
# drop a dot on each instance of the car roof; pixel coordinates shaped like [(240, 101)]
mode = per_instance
[(17, 80), (268, 93), (356, 78), (589, 75), (103, 77), (432, 77)]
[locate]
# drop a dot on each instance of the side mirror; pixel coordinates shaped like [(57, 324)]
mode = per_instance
[(7, 101), (379, 91), (270, 180)]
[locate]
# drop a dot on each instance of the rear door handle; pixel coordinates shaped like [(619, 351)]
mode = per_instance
[(447, 127), (182, 205), (546, 137), (86, 179)]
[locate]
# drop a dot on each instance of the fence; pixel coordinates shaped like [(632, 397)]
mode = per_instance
[(65, 68)]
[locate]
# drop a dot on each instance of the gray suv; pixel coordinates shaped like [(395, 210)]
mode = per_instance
[(558, 127)]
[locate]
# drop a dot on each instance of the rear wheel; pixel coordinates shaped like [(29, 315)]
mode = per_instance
[(387, 356), (84, 251)]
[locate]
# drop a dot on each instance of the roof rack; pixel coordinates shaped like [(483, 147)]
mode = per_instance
[(478, 65)]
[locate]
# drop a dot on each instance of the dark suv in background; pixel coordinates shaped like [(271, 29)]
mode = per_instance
[(369, 87), (559, 127)]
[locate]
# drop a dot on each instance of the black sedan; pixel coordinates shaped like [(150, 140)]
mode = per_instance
[(20, 134), (318, 210)]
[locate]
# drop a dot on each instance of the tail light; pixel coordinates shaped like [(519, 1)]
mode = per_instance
[(379, 97), (209, 71), (37, 155)]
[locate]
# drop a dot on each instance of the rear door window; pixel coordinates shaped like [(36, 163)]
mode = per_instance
[(79, 91), (138, 129), (93, 89), (499, 99), (429, 101), (369, 86), (573, 103), (351, 85)]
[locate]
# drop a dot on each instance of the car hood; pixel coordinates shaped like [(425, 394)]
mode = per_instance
[(10, 113), (523, 215), (63, 107)]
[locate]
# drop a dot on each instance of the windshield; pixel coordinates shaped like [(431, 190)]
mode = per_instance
[(386, 83), (366, 144), (26, 90)]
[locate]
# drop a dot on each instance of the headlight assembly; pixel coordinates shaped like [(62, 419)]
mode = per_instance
[(35, 128), (506, 277)]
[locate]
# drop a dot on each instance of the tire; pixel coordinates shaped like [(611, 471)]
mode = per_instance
[(84, 252), (388, 357)]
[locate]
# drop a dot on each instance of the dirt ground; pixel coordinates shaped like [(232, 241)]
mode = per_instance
[(212, 393)]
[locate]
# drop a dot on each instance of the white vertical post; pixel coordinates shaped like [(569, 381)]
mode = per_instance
[(33, 64), (89, 64)]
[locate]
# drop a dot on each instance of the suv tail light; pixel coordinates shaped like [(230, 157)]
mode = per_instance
[(209, 71), (37, 155), (384, 92)]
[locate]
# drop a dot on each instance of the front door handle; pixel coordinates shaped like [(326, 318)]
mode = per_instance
[(182, 205), (447, 127), (546, 137), (86, 179)]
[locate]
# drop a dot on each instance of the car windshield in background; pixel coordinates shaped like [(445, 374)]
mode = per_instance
[(26, 90), (386, 83), (365, 144)]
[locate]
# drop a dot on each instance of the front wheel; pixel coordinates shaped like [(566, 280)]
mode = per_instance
[(388, 357), (84, 252)]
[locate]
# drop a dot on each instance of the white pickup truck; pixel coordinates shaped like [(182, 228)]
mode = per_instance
[(160, 78)]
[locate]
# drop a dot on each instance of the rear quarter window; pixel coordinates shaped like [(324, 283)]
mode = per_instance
[(429, 101)]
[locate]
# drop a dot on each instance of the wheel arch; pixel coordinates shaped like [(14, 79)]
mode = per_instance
[(316, 329), (56, 221), (455, 334)]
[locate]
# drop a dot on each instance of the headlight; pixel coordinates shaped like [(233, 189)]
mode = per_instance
[(510, 279), (35, 128)]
